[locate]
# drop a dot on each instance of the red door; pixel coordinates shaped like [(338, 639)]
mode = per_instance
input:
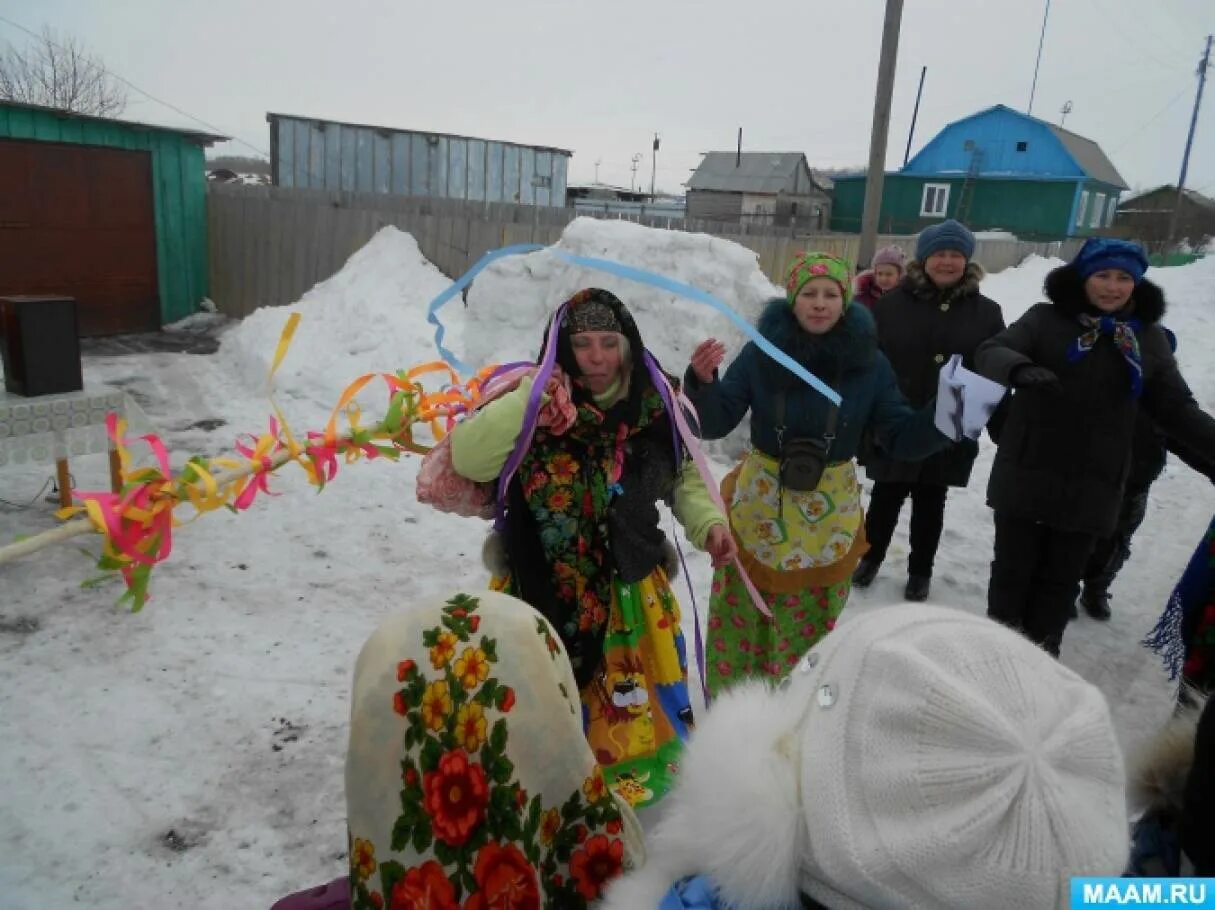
[(78, 220)]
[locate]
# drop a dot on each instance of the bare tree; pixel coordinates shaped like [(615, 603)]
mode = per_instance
[(60, 73)]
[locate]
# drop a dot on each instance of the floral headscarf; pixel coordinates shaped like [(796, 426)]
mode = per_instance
[(469, 783), (818, 265)]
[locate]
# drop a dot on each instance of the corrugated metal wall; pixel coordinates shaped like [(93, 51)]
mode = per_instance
[(178, 192), (324, 154)]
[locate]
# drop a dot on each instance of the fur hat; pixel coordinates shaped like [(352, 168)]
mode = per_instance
[(806, 266), (890, 255), (948, 235), (917, 757), (1099, 253)]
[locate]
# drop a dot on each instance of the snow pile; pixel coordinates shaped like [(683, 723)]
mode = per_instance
[(1019, 288), (369, 317), (509, 303)]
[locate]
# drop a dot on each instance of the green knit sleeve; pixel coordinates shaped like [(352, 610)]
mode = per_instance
[(693, 507)]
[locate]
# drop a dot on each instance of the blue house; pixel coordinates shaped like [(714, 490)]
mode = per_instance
[(997, 169)]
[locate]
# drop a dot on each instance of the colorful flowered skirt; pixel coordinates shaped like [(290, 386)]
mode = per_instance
[(636, 710), (800, 549)]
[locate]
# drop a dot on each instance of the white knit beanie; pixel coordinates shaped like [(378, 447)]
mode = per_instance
[(947, 762), (918, 757)]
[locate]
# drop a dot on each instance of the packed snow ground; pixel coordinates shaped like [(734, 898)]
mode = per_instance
[(192, 754)]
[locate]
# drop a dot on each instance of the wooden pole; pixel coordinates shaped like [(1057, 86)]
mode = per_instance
[(881, 129), (64, 480), (1189, 142)]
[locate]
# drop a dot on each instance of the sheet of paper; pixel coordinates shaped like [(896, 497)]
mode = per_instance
[(965, 400)]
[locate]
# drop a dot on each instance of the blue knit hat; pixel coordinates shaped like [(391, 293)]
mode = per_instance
[(948, 235), (1100, 253)]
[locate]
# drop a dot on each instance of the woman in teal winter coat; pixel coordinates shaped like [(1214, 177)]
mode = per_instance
[(798, 547)]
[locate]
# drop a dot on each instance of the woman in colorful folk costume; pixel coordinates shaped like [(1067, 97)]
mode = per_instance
[(799, 539), (581, 540)]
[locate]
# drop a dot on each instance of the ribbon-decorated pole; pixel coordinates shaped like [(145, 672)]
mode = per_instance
[(137, 523)]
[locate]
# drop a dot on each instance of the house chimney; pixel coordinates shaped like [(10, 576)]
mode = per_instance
[(738, 156)]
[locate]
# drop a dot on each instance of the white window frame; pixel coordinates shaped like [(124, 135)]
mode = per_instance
[(1098, 210), (940, 200), (1111, 211), (1080, 212)]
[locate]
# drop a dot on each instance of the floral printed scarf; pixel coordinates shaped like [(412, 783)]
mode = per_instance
[(469, 783), (1123, 332), (568, 480)]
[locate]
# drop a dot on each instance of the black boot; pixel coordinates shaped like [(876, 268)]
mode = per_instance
[(1096, 603), (917, 588), (866, 571)]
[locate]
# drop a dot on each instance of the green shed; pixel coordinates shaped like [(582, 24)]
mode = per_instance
[(110, 212)]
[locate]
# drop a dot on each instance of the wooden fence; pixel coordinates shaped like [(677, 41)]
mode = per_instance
[(268, 245)]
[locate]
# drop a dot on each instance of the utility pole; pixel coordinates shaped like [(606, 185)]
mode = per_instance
[(1203, 66), (915, 114), (881, 129), (1063, 112), (1041, 40), (654, 167)]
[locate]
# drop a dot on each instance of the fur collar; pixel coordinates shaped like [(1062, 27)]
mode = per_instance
[(851, 345), (917, 283), (1065, 289), (1158, 776)]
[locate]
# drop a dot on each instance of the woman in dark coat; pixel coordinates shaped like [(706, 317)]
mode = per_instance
[(800, 547), (1082, 366), (935, 313)]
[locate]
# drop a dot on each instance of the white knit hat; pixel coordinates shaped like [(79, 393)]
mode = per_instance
[(945, 761), (918, 757)]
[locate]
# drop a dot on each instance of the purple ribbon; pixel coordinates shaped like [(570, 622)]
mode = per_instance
[(528, 429)]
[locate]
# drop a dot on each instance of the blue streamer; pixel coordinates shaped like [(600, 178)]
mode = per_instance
[(464, 281), (641, 276)]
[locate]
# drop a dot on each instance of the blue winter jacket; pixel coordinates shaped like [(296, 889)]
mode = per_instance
[(846, 358)]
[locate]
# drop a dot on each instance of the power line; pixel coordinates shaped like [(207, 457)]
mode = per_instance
[(146, 94), (1138, 132), (1135, 43)]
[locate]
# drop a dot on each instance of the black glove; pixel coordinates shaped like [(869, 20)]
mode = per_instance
[(1030, 376)]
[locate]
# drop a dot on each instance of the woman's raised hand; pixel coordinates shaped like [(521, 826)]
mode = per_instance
[(707, 357)]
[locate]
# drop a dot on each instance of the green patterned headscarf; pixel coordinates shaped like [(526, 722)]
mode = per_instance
[(818, 265)]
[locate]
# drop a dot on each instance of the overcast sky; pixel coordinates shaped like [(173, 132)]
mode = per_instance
[(600, 78)]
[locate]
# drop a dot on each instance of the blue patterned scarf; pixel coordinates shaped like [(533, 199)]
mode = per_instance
[(1193, 597), (1123, 331)]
